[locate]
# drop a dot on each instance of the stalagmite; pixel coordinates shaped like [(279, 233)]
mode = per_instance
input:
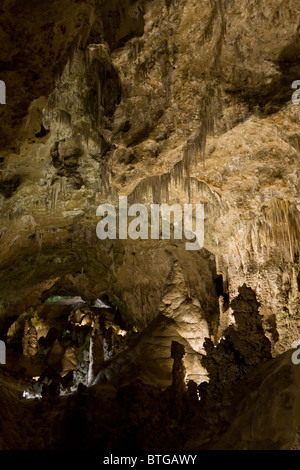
[(178, 387), (30, 341), (96, 352)]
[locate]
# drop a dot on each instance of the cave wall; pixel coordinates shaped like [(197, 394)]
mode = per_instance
[(183, 100)]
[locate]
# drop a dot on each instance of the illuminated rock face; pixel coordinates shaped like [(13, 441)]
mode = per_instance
[(164, 102), (181, 318), (167, 101)]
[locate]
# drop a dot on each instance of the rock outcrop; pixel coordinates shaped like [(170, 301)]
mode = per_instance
[(165, 101)]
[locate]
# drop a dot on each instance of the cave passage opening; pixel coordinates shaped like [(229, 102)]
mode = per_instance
[(62, 343)]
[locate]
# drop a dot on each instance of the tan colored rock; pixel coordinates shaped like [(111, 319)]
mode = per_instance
[(55, 354), (187, 102), (69, 361), (180, 319), (30, 341)]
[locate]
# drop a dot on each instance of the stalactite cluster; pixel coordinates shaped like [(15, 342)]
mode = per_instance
[(282, 226)]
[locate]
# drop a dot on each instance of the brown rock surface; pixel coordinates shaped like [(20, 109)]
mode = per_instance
[(178, 101)]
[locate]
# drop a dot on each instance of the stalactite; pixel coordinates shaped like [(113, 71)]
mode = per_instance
[(178, 172), (295, 142), (64, 118), (187, 163), (136, 45), (160, 188), (156, 193), (63, 185), (53, 99), (195, 147), (86, 131), (157, 186), (221, 9), (39, 238), (104, 177), (207, 193), (55, 190), (72, 52), (86, 57), (282, 226), (99, 101)]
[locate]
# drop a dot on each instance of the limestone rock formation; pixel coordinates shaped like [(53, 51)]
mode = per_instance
[(165, 102), (29, 341), (181, 319), (69, 361)]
